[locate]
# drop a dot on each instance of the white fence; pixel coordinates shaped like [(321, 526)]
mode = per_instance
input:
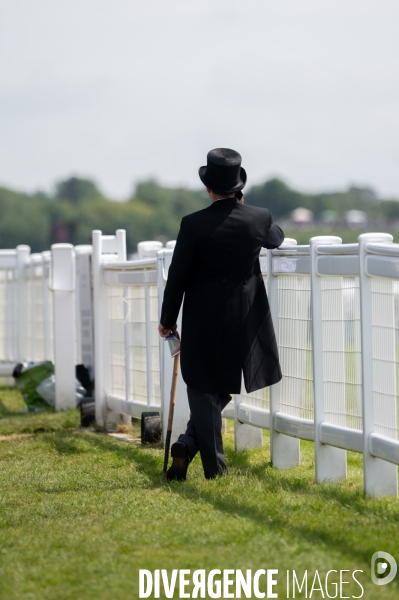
[(26, 323), (133, 371), (46, 313), (12, 295), (335, 308)]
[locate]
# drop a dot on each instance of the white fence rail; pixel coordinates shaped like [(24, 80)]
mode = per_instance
[(335, 308)]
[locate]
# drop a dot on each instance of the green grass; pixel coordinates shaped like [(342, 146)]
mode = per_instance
[(81, 513)]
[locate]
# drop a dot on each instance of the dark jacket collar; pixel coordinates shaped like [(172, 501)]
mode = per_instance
[(224, 202)]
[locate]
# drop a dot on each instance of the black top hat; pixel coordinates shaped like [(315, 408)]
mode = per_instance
[(223, 173)]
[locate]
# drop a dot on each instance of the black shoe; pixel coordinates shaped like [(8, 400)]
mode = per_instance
[(178, 470)]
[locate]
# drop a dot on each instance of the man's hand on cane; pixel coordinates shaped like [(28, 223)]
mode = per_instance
[(164, 332)]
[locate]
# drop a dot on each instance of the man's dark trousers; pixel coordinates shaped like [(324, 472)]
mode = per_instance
[(204, 430)]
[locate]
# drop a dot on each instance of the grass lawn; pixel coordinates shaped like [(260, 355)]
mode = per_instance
[(81, 513)]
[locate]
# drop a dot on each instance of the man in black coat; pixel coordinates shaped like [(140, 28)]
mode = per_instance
[(227, 328)]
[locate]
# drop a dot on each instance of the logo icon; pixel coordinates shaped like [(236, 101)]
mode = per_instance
[(383, 568)]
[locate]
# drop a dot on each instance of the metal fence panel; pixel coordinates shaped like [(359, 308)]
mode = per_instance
[(295, 346)]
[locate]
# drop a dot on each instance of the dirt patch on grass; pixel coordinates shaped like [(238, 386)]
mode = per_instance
[(15, 436)]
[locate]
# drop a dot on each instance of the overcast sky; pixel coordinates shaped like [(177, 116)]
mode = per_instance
[(120, 90)]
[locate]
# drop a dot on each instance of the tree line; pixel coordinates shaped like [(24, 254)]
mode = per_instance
[(77, 206)]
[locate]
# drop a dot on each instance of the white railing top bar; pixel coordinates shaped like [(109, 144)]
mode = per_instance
[(148, 249), (34, 259), (8, 261), (338, 249), (287, 245), (13, 251), (374, 238), (10, 258), (130, 277), (289, 242), (130, 265), (325, 240), (20, 257), (302, 250), (382, 249), (84, 249)]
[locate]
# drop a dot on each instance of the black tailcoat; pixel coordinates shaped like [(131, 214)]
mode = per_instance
[(227, 327)]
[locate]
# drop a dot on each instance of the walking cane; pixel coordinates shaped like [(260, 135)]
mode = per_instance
[(176, 363)]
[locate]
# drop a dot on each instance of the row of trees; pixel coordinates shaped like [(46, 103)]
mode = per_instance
[(78, 206)]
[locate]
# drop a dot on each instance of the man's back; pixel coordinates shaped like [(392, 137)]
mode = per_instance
[(215, 264), (228, 237)]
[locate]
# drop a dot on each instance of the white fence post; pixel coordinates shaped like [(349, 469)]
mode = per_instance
[(100, 293), (245, 436), (30, 276), (23, 253), (84, 303), (114, 245), (34, 273), (284, 449), (62, 283), (120, 240), (380, 476), (46, 260), (8, 315), (330, 462), (121, 252)]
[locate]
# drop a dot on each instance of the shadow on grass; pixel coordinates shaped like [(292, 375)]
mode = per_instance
[(312, 498), (148, 460)]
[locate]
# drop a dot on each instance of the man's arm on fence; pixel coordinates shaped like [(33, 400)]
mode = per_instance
[(274, 236)]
